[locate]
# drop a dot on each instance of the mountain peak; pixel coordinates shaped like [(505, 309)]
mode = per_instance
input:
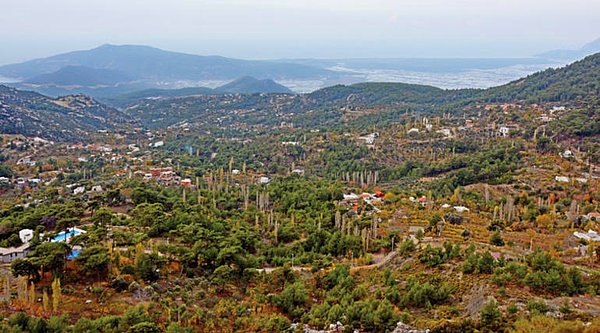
[(251, 85), (593, 46)]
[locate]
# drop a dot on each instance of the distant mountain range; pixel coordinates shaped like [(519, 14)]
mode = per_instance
[(244, 85), (74, 117), (112, 70), (149, 63), (570, 55)]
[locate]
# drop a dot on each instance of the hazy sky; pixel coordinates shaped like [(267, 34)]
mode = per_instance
[(300, 28)]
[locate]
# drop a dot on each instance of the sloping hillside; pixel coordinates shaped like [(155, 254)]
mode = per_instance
[(386, 94), (577, 80), (123, 100), (67, 118), (80, 76)]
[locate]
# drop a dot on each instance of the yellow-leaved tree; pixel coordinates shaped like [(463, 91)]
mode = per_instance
[(56, 294), (46, 300)]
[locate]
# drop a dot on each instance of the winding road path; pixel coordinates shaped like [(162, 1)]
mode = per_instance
[(378, 262)]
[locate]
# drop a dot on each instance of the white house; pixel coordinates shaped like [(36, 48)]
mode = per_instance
[(504, 131), (461, 209), (79, 190), (370, 138), (562, 179), (567, 154), (350, 197), (42, 141), (26, 161), (591, 235), (593, 215), (96, 189), (264, 180), (445, 131), (26, 235)]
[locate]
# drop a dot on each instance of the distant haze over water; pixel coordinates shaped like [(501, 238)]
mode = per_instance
[(484, 78), (474, 78)]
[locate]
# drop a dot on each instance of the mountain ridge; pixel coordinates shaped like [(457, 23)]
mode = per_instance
[(572, 54), (79, 76), (251, 85), (576, 80), (67, 118), (145, 62), (244, 85)]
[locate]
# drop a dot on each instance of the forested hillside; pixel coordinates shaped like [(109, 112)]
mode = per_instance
[(66, 118), (575, 81)]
